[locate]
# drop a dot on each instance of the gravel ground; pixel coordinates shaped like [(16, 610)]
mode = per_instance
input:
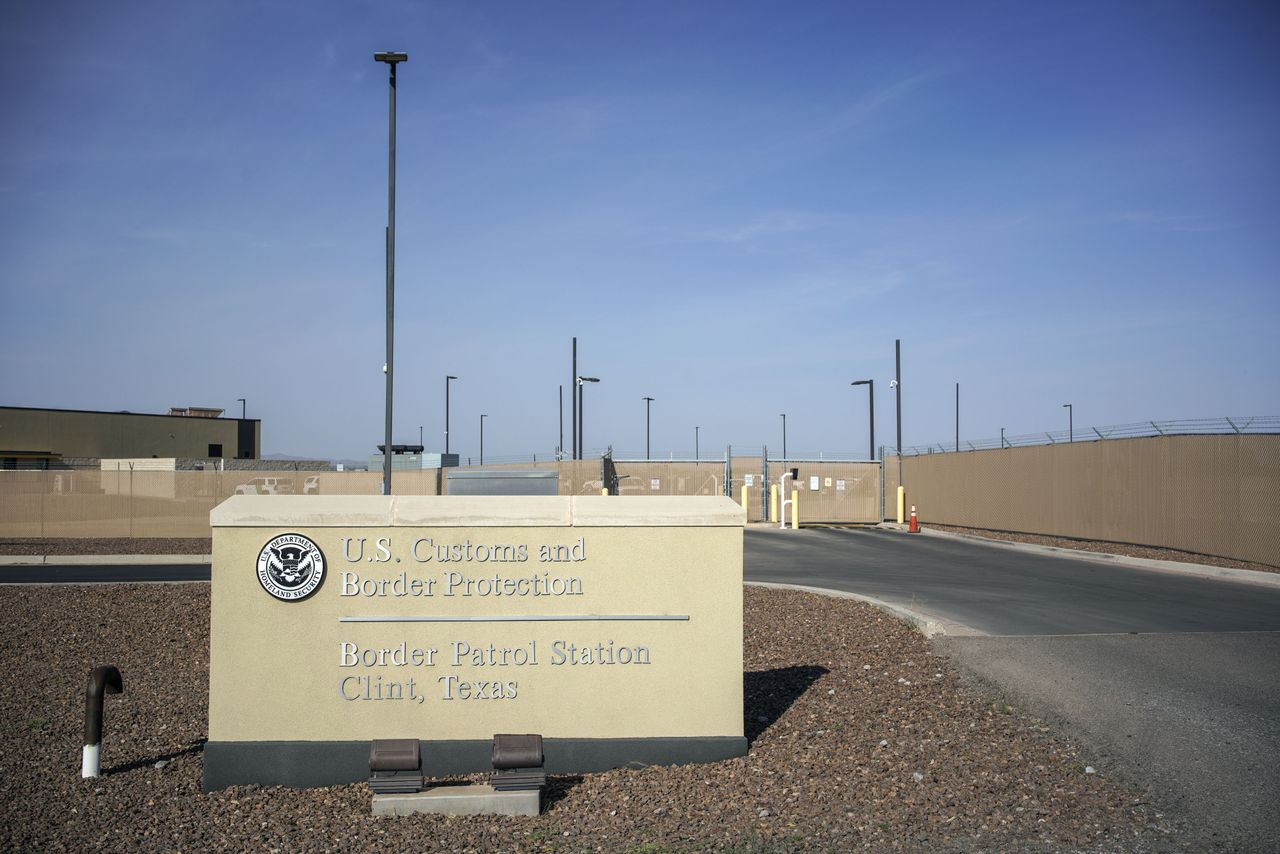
[(1104, 547), (860, 739), (106, 546)]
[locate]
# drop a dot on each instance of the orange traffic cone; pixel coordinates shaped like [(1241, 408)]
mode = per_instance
[(914, 527)]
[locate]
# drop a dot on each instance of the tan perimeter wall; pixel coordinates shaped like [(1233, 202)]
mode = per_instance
[(1213, 495)]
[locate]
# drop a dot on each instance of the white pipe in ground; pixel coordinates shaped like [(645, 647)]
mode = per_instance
[(89, 765)]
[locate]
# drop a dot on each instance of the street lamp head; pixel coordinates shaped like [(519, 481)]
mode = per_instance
[(648, 398), (391, 57), (860, 382), (893, 383), (582, 380), (449, 377)]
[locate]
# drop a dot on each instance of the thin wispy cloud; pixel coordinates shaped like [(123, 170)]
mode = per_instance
[(1163, 221), (760, 229)]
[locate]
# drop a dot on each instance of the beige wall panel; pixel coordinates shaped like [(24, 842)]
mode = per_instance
[(580, 477), (1217, 495), (670, 478)]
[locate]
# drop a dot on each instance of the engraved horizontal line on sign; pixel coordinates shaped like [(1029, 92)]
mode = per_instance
[(532, 618)]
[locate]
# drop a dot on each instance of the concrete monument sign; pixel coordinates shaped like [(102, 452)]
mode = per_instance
[(610, 625)]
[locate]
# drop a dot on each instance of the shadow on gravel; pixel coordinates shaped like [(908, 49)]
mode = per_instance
[(558, 788), (193, 747), (766, 694)]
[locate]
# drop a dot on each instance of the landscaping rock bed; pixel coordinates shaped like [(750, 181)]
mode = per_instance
[(106, 546), (861, 738)]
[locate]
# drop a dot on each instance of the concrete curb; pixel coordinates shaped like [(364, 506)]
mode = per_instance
[(104, 560), (1221, 573), (928, 625)]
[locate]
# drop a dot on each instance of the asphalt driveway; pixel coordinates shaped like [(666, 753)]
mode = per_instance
[(1172, 680)]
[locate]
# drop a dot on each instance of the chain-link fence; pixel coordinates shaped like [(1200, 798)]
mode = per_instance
[(1214, 495), (828, 491), (1206, 494), (1239, 425), (132, 503)]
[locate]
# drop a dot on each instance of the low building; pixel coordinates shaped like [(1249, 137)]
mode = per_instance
[(57, 438), (412, 457)]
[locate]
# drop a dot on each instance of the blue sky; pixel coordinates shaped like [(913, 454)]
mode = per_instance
[(736, 207)]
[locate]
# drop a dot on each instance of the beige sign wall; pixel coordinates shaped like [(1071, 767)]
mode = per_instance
[(456, 618), (1215, 495)]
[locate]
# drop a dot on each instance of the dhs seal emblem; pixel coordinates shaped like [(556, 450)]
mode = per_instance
[(290, 567)]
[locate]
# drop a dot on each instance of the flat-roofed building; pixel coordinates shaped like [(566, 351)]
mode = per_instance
[(44, 438)]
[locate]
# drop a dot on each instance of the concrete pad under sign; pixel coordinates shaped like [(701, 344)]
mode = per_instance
[(460, 800)]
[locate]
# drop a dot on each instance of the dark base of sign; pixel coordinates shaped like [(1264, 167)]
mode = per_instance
[(310, 764)]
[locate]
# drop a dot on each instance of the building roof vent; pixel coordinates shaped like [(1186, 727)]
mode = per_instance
[(195, 411)]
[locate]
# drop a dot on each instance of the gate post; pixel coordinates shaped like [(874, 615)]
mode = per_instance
[(764, 479)]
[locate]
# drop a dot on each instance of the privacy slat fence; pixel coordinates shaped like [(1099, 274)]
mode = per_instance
[(1212, 494), (1215, 495)]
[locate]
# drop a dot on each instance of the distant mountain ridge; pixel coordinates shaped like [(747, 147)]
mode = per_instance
[(346, 464)]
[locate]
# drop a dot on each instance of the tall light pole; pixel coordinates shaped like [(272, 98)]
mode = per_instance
[(871, 406), (560, 447), (1071, 429), (243, 406), (482, 418), (696, 455), (897, 385), (573, 399), (957, 417), (784, 435), (582, 445), (647, 401), (424, 447), (391, 58), (447, 379)]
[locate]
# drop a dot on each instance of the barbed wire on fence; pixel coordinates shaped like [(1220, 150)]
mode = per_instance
[(1254, 424)]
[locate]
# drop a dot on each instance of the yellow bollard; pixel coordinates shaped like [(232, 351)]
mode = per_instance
[(746, 490), (795, 510), (773, 502), (902, 504), (604, 490)]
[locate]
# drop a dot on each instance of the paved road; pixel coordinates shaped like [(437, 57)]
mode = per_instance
[(1004, 591), (1172, 680)]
